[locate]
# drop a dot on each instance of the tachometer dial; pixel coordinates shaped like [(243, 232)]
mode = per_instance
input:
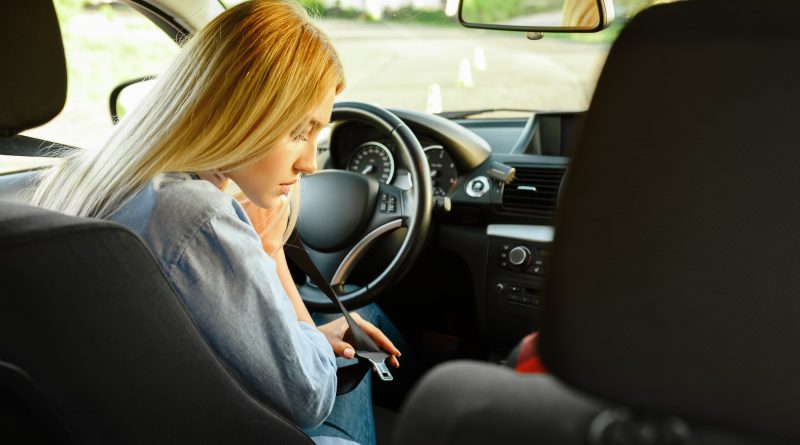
[(443, 170), (373, 159)]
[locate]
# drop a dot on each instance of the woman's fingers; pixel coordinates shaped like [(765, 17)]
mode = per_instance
[(341, 348), (380, 339), (335, 331), (378, 336)]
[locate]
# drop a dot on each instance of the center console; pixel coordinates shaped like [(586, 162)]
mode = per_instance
[(518, 259)]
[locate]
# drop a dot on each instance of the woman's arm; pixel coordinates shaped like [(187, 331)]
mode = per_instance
[(291, 289), (233, 292), (271, 226)]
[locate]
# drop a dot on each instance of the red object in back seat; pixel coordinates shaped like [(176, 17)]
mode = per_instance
[(528, 360)]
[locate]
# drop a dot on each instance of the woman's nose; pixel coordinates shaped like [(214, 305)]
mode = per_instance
[(307, 163)]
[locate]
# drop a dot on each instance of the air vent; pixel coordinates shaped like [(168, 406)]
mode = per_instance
[(534, 192)]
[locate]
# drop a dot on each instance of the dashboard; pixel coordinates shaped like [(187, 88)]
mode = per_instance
[(461, 155), (501, 232)]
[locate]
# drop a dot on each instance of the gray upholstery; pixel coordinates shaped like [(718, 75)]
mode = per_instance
[(674, 284), (87, 314), (472, 403)]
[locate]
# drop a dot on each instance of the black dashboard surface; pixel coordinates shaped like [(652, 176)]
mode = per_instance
[(535, 147)]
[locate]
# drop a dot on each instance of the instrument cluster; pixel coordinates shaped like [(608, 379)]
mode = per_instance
[(378, 159)]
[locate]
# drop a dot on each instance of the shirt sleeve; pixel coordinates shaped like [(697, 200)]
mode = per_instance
[(232, 291)]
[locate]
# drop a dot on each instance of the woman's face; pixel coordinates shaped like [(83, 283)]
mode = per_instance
[(270, 178)]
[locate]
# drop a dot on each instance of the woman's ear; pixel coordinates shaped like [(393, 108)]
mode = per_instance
[(216, 178)]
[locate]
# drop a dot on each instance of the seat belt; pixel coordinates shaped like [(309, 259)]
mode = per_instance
[(369, 355)]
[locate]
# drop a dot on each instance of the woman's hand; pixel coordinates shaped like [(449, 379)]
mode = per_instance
[(338, 331), (270, 224)]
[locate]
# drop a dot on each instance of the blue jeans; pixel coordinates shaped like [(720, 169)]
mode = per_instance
[(352, 417)]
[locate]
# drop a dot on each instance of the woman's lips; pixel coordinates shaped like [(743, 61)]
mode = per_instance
[(286, 187)]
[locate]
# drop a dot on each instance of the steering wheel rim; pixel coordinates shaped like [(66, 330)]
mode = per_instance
[(415, 214)]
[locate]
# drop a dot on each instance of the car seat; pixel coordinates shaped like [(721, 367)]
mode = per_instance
[(95, 347), (671, 310)]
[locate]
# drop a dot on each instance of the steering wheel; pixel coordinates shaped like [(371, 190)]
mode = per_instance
[(343, 213)]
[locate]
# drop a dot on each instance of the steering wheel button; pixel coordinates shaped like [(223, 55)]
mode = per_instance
[(392, 208), (384, 197), (383, 207)]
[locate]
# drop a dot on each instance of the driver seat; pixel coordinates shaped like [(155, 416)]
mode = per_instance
[(95, 347)]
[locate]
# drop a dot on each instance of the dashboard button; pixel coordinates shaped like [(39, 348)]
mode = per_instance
[(477, 187), (520, 256)]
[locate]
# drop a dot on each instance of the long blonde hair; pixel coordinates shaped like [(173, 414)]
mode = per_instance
[(243, 82)]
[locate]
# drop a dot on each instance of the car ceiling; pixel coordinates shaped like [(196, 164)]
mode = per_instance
[(191, 14)]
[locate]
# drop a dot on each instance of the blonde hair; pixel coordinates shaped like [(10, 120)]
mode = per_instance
[(243, 82)]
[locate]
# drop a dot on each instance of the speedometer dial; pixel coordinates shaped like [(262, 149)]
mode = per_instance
[(373, 159), (443, 170)]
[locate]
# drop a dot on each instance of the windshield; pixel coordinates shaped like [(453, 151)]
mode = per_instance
[(396, 53), (414, 54)]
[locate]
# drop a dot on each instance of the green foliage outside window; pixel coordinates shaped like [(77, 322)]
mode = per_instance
[(495, 11)]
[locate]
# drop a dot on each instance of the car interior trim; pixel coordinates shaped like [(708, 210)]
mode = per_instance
[(536, 234), (176, 30), (526, 136), (467, 148)]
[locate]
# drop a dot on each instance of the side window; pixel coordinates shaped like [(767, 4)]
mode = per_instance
[(106, 43)]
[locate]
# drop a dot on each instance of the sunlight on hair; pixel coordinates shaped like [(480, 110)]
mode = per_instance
[(230, 95)]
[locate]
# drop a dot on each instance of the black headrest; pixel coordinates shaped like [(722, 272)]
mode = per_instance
[(675, 282), (33, 81)]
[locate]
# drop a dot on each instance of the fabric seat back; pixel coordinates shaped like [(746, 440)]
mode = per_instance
[(674, 284)]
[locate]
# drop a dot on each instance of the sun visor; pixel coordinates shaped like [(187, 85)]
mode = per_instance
[(33, 81)]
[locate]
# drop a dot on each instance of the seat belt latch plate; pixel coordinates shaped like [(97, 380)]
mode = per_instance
[(382, 370)]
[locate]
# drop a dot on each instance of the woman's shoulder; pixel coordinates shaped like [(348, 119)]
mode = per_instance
[(184, 196), (174, 208)]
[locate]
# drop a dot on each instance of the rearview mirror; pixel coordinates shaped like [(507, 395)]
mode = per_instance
[(537, 15)]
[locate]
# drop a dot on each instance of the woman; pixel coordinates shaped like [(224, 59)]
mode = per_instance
[(581, 14), (242, 104)]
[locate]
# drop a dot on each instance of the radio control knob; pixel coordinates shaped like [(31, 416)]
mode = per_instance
[(520, 256)]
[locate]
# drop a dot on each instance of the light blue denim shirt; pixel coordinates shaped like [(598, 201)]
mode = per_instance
[(211, 253)]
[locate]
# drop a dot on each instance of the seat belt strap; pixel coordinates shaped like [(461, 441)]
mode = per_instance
[(368, 353)]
